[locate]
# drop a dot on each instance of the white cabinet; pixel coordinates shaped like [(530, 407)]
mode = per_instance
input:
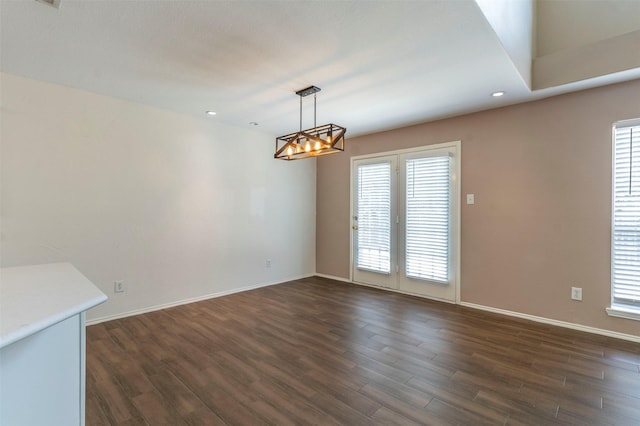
[(42, 344)]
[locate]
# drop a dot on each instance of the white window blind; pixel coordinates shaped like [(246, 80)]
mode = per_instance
[(374, 217), (427, 218), (625, 257)]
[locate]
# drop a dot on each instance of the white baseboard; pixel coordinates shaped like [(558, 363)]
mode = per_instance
[(565, 324), (190, 300), (333, 277)]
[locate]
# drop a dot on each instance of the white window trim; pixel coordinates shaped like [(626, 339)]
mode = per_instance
[(618, 310), (422, 148)]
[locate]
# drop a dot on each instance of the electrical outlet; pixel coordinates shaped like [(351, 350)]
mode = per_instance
[(118, 286), (267, 263), (576, 293)]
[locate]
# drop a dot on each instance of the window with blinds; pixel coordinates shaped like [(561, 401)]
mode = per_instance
[(374, 217), (427, 218), (625, 258)]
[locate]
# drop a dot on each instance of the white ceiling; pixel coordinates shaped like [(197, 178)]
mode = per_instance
[(380, 64)]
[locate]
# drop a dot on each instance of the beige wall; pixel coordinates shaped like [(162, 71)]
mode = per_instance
[(566, 25), (540, 173)]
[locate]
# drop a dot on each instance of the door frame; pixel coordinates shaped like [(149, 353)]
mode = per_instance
[(457, 182)]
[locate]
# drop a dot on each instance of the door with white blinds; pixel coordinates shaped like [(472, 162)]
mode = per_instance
[(625, 253), (405, 225), (374, 226), (426, 229)]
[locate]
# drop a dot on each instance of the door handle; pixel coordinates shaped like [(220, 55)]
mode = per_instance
[(354, 227)]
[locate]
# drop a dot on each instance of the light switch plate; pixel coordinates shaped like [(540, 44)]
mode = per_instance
[(576, 293), (471, 199)]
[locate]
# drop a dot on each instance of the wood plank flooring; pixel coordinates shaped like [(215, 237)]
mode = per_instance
[(315, 351)]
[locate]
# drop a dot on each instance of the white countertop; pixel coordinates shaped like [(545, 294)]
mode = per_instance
[(33, 298)]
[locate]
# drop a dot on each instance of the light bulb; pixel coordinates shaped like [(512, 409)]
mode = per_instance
[(307, 146), (317, 146), (289, 151)]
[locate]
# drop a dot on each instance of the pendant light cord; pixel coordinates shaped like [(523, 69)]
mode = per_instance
[(630, 158), (314, 109)]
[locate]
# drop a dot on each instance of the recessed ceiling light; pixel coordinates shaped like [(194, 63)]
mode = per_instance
[(54, 3), (211, 113), (497, 94)]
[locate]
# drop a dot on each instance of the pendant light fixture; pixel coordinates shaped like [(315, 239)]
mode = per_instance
[(320, 140)]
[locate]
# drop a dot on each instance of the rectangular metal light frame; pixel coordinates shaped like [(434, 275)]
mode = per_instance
[(322, 140)]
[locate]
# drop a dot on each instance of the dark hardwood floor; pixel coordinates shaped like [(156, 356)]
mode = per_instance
[(315, 351)]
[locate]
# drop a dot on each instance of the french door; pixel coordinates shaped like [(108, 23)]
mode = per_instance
[(405, 220)]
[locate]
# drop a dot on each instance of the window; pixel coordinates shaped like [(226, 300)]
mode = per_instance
[(428, 217), (374, 217), (625, 235)]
